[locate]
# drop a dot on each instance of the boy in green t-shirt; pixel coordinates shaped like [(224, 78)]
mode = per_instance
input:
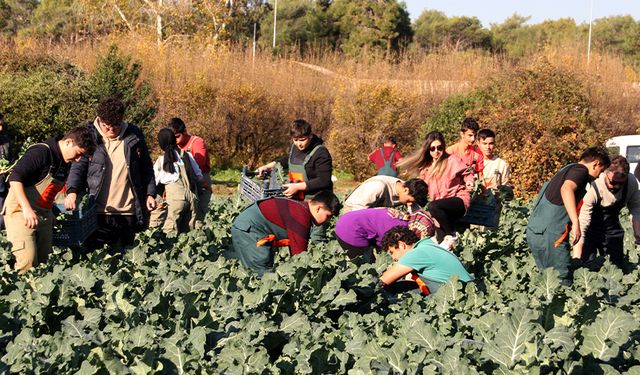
[(430, 264)]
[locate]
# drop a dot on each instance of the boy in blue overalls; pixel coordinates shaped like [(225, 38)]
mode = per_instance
[(555, 212)]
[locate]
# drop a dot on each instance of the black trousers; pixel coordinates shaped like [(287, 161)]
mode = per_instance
[(447, 211), (113, 230), (603, 243)]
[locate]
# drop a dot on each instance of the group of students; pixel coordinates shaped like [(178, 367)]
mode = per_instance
[(575, 215), (419, 239), (108, 159)]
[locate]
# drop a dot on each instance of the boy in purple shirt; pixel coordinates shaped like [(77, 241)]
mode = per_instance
[(359, 231)]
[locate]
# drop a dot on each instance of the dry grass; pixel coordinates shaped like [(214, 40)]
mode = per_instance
[(180, 67)]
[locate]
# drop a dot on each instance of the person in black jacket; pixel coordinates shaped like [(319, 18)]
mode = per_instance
[(119, 176), (310, 167), (309, 163)]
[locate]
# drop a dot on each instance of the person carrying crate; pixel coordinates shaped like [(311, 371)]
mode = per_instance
[(386, 157), (277, 222), (119, 176), (310, 168), (38, 176), (554, 216)]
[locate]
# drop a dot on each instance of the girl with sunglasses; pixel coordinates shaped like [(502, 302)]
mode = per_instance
[(448, 179)]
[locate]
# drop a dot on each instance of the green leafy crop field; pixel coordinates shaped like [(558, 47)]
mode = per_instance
[(174, 305)]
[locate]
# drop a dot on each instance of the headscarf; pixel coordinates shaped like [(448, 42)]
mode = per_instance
[(167, 142)]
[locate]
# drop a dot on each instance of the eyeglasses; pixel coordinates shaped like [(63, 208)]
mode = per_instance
[(438, 147)]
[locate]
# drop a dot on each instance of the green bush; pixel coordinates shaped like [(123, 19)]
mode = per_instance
[(542, 116), (118, 75), (448, 116), (43, 102)]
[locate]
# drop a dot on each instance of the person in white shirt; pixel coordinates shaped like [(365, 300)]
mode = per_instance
[(600, 214), (496, 171), (387, 191), (178, 173)]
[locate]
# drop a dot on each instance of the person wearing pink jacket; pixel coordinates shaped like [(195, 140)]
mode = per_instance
[(449, 179)]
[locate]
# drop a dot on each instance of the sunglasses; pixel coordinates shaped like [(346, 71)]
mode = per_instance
[(438, 147), (614, 182)]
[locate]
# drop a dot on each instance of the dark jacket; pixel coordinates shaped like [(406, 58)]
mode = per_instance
[(90, 173), (319, 168)]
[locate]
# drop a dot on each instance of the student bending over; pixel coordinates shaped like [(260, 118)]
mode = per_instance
[(430, 265), (277, 222), (359, 231), (386, 191)]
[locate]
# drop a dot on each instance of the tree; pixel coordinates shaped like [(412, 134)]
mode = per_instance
[(620, 34), (378, 26), (118, 75), (15, 15), (55, 20), (434, 29), (299, 23)]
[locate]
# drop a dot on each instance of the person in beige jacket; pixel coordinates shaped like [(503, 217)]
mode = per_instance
[(600, 214)]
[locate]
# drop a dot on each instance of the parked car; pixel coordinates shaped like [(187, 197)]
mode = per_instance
[(627, 146)]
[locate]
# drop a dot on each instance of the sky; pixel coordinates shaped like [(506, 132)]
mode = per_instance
[(496, 11)]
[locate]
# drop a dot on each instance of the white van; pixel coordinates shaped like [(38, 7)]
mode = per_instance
[(627, 146)]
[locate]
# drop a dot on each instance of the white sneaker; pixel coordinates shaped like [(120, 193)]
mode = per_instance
[(449, 242)]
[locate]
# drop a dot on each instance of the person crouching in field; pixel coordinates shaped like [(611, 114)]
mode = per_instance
[(310, 167), (35, 181), (429, 264), (278, 222), (600, 215), (358, 232), (555, 212), (178, 174), (387, 191), (496, 171)]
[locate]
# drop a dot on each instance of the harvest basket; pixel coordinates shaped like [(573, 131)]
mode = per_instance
[(76, 228), (253, 187)]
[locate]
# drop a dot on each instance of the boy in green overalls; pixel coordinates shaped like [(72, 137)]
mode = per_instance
[(277, 222), (34, 182), (310, 168), (555, 213)]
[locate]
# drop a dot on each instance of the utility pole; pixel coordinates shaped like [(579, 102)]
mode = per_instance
[(275, 20), (589, 43), (254, 42)]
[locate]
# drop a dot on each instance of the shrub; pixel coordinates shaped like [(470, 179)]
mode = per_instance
[(117, 75), (362, 116), (43, 102), (541, 114), (241, 125)]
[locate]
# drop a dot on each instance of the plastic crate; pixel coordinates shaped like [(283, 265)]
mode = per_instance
[(76, 228), (259, 187), (485, 212)]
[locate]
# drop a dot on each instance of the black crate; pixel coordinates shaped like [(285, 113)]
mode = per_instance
[(76, 228), (483, 213), (259, 187)]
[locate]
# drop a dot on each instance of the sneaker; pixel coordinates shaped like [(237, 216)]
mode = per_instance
[(449, 242)]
